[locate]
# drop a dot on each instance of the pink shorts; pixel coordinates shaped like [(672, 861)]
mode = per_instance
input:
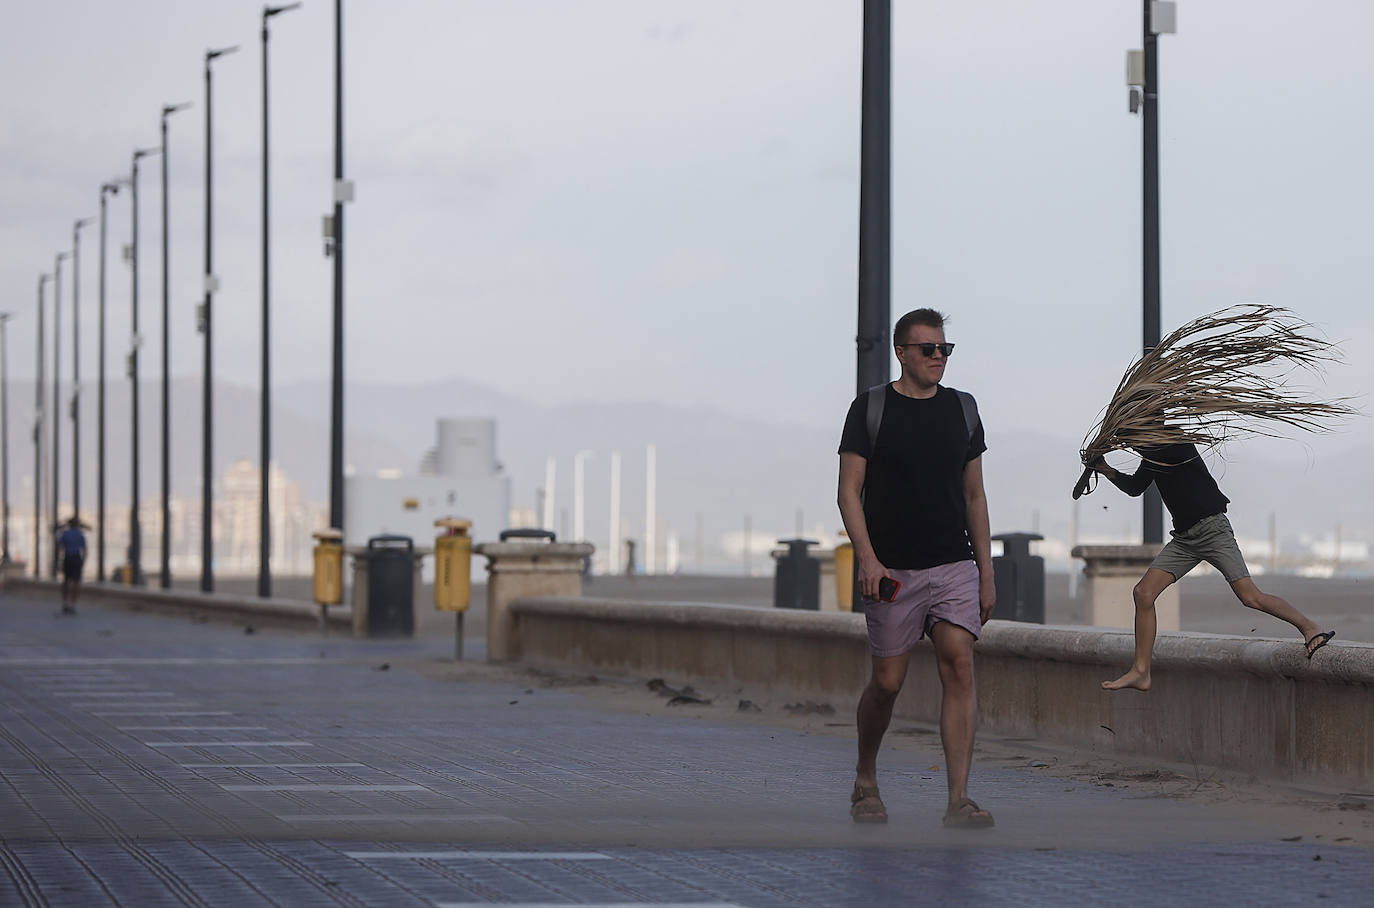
[(946, 592)]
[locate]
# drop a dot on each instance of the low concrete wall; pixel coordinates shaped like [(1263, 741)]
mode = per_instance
[(1232, 702), (219, 605)]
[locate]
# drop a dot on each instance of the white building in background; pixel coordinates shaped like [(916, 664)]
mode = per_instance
[(458, 477), (237, 518)]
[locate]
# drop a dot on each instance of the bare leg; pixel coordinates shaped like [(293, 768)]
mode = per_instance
[(1145, 593), (875, 712), (958, 705), (1252, 597)]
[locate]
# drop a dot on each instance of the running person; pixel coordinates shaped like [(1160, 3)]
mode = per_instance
[(913, 503), (72, 543), (1201, 532)]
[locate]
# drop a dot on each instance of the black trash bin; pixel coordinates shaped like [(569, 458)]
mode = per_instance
[(1020, 579), (797, 579), (391, 586)]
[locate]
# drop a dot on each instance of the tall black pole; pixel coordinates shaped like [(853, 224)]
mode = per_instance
[(135, 531), (207, 422), (207, 520), (336, 422), (264, 417), (76, 366), (165, 545), (265, 408), (4, 441), (56, 401), (106, 190), (1153, 505), (166, 542), (875, 197), (39, 427)]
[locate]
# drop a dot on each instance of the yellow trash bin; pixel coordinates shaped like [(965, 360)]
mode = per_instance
[(328, 566), (844, 574), (453, 565), (453, 573)]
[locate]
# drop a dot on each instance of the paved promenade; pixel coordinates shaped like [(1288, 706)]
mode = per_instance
[(153, 760)]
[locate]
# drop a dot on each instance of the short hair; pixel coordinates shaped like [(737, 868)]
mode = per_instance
[(931, 318)]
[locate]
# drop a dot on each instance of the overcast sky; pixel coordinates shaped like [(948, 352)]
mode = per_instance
[(612, 199)]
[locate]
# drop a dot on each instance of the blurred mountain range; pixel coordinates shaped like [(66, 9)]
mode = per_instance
[(715, 472)]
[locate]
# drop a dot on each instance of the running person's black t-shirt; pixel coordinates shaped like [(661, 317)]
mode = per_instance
[(1185, 485), (914, 481)]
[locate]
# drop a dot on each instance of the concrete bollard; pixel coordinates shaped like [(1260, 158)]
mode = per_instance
[(519, 569), (1112, 571)]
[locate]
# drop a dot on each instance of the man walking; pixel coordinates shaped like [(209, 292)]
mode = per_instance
[(72, 544), (912, 500)]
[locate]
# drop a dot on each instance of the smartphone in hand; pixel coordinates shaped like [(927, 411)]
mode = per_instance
[(887, 589)]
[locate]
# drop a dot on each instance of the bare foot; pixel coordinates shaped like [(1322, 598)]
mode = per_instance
[(1133, 679)]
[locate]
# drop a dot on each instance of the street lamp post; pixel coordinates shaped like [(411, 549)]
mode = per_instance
[(38, 427), (56, 398), (4, 442), (207, 560), (1142, 69), (342, 193), (76, 366), (166, 573), (135, 341), (106, 190), (265, 431), (875, 197)]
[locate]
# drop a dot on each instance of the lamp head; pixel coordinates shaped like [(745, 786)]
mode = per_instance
[(219, 52), (145, 152), (169, 109), (270, 11), (81, 222)]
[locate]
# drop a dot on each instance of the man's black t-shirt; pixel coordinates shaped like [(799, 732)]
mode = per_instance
[(1187, 488), (914, 482)]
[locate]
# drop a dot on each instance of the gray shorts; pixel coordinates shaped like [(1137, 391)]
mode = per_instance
[(948, 592), (1212, 540)]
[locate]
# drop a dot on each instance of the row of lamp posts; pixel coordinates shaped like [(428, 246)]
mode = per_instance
[(334, 248)]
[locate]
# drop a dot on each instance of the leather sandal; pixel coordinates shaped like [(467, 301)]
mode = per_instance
[(965, 814), (865, 806)]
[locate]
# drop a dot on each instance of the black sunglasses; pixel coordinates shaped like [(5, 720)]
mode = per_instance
[(929, 349)]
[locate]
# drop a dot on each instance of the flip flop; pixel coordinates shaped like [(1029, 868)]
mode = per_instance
[(1318, 641), (961, 814), (865, 806)]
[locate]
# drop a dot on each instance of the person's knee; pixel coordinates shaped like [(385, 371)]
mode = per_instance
[(1144, 595), (956, 670), (884, 687)]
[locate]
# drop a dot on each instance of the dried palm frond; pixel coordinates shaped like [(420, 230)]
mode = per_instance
[(1217, 376)]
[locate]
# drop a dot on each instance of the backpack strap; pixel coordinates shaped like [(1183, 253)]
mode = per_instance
[(970, 411), (877, 397)]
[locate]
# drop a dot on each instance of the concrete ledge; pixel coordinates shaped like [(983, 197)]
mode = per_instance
[(284, 611), (1241, 703)]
